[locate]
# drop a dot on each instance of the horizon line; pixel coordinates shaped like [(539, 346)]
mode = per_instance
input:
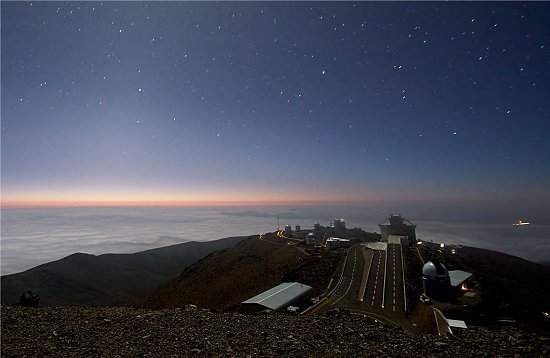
[(15, 204), (166, 203)]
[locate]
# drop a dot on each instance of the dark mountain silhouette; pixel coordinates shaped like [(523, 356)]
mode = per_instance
[(108, 279)]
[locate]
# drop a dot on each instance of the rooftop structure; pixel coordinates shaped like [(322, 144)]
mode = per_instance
[(458, 277), (279, 296)]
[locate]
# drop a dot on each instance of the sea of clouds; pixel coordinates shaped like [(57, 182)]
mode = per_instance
[(31, 237)]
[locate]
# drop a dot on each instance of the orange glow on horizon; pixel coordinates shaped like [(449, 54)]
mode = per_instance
[(121, 200)]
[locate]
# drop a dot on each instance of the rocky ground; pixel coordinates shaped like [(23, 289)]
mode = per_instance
[(128, 332)]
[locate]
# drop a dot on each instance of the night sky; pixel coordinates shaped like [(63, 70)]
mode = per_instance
[(190, 102)]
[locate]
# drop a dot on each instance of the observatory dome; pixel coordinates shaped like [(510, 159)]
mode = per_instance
[(434, 269)]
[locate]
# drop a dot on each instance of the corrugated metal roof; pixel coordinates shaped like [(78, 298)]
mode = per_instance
[(280, 295), (458, 276), (456, 323)]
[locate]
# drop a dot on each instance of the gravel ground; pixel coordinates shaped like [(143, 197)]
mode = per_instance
[(128, 332)]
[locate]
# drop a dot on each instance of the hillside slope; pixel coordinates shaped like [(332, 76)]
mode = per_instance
[(225, 278), (109, 279), (510, 287)]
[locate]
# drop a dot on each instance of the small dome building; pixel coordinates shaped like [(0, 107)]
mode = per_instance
[(436, 280)]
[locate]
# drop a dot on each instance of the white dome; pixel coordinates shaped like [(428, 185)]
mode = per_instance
[(434, 269)]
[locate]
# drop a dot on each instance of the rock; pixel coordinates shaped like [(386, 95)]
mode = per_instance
[(29, 299), (163, 333)]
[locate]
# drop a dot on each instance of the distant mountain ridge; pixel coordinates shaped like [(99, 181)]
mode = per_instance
[(108, 279)]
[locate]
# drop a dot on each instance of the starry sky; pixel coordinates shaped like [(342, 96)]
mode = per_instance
[(175, 102)]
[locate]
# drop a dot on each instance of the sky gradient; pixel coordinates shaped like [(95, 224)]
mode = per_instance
[(186, 103)]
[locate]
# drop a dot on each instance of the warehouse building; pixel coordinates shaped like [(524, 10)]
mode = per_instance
[(276, 298)]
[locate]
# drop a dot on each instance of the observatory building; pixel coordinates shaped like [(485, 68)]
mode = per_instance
[(288, 231), (439, 283), (435, 280), (398, 226), (339, 224)]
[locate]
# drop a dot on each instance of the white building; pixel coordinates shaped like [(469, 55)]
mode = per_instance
[(336, 243)]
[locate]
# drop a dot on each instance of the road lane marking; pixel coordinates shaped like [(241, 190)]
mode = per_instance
[(385, 272)]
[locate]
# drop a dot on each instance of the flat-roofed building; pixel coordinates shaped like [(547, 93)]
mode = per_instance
[(277, 297), (336, 243)]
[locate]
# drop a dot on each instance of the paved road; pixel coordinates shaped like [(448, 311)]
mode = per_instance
[(370, 281), (349, 281), (375, 281), (384, 292), (393, 298)]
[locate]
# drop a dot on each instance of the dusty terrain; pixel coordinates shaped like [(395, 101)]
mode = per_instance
[(188, 331)]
